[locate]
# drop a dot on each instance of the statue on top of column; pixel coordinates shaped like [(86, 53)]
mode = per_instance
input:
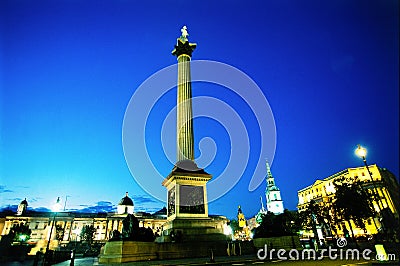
[(185, 34)]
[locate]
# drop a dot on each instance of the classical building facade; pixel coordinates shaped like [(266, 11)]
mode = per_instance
[(323, 191), (68, 225)]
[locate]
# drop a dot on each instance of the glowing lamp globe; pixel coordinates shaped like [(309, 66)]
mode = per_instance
[(361, 151)]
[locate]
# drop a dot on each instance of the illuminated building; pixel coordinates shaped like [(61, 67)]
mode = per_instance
[(70, 224), (243, 233), (126, 205), (273, 194), (273, 197), (241, 219), (322, 192)]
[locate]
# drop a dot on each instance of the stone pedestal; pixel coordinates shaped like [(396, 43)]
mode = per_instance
[(187, 230), (187, 192), (187, 212), (127, 251)]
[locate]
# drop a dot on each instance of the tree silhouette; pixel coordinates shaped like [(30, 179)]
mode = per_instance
[(313, 215), (284, 224), (87, 234), (351, 203), (20, 232), (234, 224)]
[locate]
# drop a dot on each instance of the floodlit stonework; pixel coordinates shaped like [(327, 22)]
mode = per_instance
[(273, 194), (187, 204), (323, 193), (71, 224)]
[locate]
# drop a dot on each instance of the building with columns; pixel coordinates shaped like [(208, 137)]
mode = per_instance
[(323, 191), (68, 225)]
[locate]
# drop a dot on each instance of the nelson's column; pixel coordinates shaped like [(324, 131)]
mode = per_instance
[(187, 206)]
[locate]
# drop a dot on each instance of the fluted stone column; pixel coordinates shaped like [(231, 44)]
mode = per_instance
[(187, 205), (185, 143)]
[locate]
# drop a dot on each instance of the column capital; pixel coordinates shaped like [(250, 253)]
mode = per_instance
[(183, 47)]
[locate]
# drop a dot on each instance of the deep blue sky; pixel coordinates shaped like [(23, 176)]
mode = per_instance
[(329, 70)]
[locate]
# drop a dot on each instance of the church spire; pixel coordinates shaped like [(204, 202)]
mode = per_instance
[(269, 174), (273, 194), (270, 179)]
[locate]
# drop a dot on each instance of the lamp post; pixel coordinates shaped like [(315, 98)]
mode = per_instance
[(362, 153), (56, 208)]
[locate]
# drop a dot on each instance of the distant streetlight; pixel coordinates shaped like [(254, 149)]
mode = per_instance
[(55, 208), (66, 199)]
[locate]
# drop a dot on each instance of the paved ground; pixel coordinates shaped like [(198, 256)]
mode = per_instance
[(235, 261), (232, 261)]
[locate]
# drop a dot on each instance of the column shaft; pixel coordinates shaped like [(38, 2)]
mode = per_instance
[(185, 142)]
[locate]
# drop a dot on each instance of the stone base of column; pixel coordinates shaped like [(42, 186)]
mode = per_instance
[(186, 230), (187, 191)]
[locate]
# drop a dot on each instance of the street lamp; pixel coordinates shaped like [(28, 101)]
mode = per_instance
[(362, 153), (56, 208)]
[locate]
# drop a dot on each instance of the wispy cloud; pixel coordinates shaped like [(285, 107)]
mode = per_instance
[(35, 199), (141, 199), (40, 209), (149, 210), (15, 199), (3, 189), (141, 205), (22, 187), (101, 206), (104, 203), (9, 207), (20, 199)]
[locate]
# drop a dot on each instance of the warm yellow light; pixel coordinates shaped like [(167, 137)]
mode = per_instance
[(381, 253), (57, 205), (361, 151), (227, 230)]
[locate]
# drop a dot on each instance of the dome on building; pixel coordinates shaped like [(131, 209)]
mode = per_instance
[(126, 201), (125, 205)]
